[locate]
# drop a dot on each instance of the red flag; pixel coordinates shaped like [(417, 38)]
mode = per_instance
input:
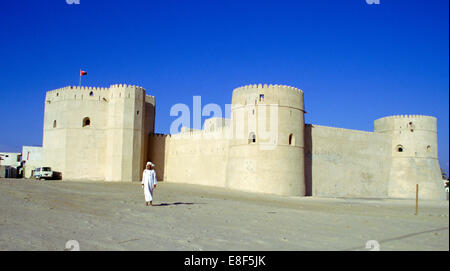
[(82, 73)]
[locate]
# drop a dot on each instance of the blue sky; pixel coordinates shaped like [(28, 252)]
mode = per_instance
[(355, 62)]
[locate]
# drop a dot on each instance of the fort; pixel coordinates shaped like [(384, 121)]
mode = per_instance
[(107, 134)]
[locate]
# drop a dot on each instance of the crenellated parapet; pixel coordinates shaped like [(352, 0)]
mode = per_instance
[(406, 116), (399, 123), (259, 94), (102, 94), (125, 86), (265, 86)]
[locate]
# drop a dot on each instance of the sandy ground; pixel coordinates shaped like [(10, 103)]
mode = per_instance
[(44, 215)]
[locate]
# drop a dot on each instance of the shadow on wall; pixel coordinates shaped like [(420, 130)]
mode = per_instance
[(157, 154), (308, 160)]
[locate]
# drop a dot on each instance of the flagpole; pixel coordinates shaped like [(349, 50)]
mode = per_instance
[(79, 83)]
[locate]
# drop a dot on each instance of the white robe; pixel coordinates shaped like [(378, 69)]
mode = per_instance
[(148, 180)]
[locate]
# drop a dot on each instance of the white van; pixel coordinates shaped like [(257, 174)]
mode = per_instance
[(43, 173)]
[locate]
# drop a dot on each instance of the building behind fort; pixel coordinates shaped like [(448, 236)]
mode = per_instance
[(107, 134)]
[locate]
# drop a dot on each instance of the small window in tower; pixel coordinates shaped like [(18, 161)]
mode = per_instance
[(86, 122), (57, 94), (251, 138), (54, 124), (428, 148), (91, 93), (399, 148), (261, 97), (137, 112), (291, 140)]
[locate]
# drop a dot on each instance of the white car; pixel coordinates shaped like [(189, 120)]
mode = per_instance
[(43, 173)]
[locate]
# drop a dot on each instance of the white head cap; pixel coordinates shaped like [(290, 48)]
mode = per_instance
[(150, 163)]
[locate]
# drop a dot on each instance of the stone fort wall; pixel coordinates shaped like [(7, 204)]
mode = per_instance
[(265, 147), (305, 160), (346, 163)]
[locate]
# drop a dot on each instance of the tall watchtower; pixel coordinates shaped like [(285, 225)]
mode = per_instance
[(75, 121), (98, 134), (414, 156), (130, 121), (266, 151)]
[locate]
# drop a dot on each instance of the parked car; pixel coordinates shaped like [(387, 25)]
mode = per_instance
[(43, 173)]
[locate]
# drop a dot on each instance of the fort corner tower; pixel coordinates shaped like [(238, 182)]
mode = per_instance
[(414, 156), (98, 133)]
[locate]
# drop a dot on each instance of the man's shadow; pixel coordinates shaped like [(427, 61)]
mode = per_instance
[(175, 203)]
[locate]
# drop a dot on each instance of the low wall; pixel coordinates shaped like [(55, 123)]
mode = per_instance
[(346, 163), (196, 158)]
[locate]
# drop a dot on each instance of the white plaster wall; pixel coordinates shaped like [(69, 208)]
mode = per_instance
[(74, 150), (9, 159), (346, 163), (197, 158), (32, 156)]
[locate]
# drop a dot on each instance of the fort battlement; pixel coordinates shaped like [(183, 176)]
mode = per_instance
[(265, 86), (409, 122), (97, 93), (80, 88), (124, 86), (259, 94), (406, 117)]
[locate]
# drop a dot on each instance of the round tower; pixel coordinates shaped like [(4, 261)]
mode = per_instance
[(414, 156), (266, 147)]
